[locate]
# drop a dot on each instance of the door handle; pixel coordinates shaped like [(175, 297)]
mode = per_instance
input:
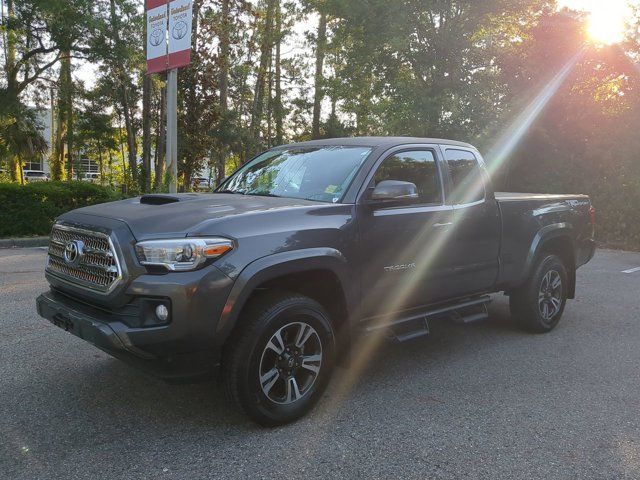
[(440, 225)]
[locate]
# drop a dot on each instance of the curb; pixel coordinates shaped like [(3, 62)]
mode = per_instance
[(24, 242)]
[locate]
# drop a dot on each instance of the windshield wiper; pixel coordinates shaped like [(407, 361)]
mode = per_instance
[(264, 194), (235, 192)]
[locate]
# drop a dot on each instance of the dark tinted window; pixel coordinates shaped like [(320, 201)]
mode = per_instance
[(418, 167), (468, 185)]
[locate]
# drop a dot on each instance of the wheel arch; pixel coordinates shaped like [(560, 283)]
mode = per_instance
[(557, 239), (299, 271)]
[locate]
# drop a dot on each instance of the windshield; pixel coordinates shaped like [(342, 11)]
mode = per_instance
[(312, 173)]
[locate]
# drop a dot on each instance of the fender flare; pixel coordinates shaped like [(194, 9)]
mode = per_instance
[(277, 265), (546, 233)]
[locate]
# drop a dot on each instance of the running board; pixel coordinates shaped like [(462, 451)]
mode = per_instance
[(416, 325), (471, 317)]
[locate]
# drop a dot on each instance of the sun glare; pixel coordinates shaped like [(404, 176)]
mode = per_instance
[(607, 24)]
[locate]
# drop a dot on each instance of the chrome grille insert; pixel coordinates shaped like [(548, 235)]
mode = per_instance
[(94, 265)]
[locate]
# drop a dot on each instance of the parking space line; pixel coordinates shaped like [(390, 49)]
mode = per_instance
[(632, 270)]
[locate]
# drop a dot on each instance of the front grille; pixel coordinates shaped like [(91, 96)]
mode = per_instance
[(94, 264)]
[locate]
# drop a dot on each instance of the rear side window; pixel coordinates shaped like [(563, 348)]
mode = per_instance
[(466, 176), (418, 167)]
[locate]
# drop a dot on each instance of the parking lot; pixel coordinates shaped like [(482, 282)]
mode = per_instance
[(477, 401)]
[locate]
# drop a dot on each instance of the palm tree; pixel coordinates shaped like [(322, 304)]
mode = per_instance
[(21, 139)]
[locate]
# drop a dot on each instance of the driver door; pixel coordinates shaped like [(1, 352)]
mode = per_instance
[(404, 246)]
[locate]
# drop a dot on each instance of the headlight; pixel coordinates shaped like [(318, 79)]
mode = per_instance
[(181, 254)]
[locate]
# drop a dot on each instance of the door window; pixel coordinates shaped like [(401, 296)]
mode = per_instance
[(466, 176), (418, 167)]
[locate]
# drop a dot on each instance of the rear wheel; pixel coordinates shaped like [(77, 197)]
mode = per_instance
[(279, 364), (538, 304)]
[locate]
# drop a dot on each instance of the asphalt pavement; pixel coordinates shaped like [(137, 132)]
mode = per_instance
[(478, 401)]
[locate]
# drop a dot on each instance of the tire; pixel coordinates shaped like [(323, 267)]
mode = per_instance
[(258, 369), (539, 303)]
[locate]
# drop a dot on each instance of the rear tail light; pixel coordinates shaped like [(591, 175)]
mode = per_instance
[(592, 215)]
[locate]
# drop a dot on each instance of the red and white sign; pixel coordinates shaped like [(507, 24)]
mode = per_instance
[(156, 35), (180, 20), (172, 25)]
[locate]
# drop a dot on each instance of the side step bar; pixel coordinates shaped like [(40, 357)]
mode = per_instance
[(416, 325)]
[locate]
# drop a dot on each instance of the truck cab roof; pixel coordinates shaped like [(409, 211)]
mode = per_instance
[(380, 142)]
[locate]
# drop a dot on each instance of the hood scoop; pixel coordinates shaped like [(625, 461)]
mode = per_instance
[(158, 199)]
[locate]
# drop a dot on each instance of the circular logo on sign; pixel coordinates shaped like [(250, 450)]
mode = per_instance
[(179, 30), (73, 252), (156, 38)]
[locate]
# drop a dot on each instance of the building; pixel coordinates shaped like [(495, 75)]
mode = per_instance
[(45, 119)]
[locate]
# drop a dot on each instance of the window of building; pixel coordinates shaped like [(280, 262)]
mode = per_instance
[(33, 166)]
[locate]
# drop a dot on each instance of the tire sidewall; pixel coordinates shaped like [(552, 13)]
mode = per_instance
[(255, 401)]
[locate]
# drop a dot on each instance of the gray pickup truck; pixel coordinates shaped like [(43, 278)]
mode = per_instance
[(303, 250)]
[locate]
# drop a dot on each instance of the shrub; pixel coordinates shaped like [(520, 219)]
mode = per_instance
[(32, 208)]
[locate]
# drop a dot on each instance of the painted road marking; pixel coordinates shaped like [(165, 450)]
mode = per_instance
[(632, 270)]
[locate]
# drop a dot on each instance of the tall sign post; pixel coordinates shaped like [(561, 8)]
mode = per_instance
[(169, 48)]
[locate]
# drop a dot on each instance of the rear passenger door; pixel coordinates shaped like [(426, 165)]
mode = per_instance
[(476, 230), (403, 254)]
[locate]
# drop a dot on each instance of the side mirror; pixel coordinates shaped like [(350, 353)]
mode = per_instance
[(394, 191)]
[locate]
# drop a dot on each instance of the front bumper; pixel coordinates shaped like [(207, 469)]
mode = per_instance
[(181, 350), (122, 321)]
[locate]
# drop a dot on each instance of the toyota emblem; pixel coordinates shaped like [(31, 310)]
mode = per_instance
[(73, 252)]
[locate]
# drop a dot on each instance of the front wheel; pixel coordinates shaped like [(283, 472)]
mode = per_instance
[(538, 304), (280, 362)]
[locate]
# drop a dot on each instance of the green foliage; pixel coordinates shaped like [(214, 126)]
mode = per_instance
[(31, 209), (462, 69), (585, 140), (20, 135)]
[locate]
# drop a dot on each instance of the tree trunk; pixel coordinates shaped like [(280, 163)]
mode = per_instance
[(57, 159), (145, 183), (321, 46), (146, 134), (270, 102), (10, 49), (66, 105), (160, 140), (127, 108), (124, 161), (278, 110), (265, 52), (110, 168), (225, 46), (100, 163)]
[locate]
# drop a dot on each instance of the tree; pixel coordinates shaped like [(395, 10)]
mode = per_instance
[(20, 137), (321, 45), (38, 34), (266, 47)]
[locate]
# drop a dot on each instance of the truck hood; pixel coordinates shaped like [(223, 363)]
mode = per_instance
[(150, 217)]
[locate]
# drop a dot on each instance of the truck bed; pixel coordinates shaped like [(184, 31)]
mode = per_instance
[(527, 216)]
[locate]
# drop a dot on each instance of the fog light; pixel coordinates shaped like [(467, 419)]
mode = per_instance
[(162, 313)]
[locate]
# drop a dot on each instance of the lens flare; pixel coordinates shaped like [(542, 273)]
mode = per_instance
[(428, 252), (607, 23), (512, 136)]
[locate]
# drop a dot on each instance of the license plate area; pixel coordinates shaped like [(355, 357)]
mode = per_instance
[(63, 322)]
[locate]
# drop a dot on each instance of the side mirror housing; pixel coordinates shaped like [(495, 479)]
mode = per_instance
[(394, 192)]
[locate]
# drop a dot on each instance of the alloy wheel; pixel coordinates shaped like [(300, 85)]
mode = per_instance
[(290, 363), (550, 295)]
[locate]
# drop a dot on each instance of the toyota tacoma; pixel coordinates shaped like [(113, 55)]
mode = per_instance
[(308, 247)]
